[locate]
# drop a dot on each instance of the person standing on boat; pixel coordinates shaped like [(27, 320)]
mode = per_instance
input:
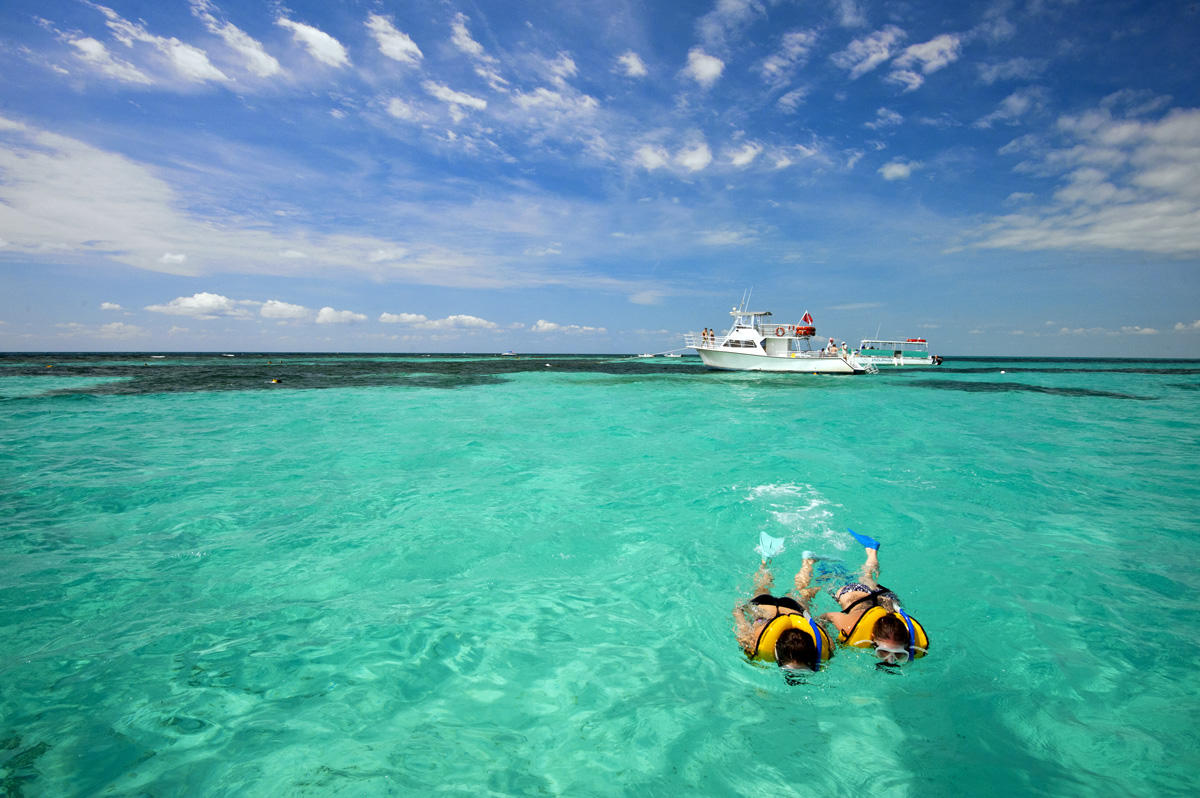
[(871, 615), (782, 630)]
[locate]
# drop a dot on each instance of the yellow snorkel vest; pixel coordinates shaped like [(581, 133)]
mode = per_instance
[(764, 649), (860, 635)]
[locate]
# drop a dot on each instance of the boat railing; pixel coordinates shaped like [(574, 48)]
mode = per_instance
[(698, 341)]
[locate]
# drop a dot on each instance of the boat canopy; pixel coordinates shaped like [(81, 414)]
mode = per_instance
[(908, 343)]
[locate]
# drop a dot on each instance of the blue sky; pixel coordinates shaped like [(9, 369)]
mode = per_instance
[(1001, 178)]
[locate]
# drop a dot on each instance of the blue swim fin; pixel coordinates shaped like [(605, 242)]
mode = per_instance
[(867, 543), (768, 546)]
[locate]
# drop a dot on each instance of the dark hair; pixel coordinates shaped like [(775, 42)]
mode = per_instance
[(794, 646), (889, 627)]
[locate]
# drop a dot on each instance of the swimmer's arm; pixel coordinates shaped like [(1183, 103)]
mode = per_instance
[(840, 620), (741, 627)]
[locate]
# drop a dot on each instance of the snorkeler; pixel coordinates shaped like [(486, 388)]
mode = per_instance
[(871, 615), (782, 631)]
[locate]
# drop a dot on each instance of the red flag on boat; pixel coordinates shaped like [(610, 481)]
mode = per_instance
[(807, 318)]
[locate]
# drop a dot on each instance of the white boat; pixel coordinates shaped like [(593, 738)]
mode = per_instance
[(755, 343), (909, 352)]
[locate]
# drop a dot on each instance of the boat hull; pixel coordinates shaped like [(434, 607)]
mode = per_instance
[(794, 362), (896, 361)]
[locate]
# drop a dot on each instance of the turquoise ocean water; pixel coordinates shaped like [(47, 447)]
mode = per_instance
[(514, 576)]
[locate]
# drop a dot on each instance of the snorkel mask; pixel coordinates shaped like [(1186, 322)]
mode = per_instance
[(892, 655)]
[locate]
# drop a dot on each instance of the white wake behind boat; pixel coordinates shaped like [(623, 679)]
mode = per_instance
[(755, 343)]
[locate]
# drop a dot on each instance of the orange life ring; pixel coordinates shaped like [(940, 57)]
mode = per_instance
[(779, 331)]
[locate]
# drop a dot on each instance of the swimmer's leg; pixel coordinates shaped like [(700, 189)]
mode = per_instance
[(804, 579), (870, 569), (763, 579)]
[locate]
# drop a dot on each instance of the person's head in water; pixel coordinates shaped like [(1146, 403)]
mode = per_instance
[(795, 650), (891, 639)]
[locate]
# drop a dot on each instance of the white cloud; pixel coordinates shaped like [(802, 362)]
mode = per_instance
[(320, 45), (120, 330), (169, 258), (328, 315), (910, 80), (441, 91), (703, 68), (485, 65), (97, 55), (460, 322), (793, 52), (651, 297), (401, 110), (275, 309), (850, 15), (554, 101), (631, 65), (389, 254), (204, 305), (1183, 327), (562, 68), (899, 170), (995, 25), (863, 55), (1012, 69), (746, 155), (1135, 330), (937, 53), (791, 101), (726, 238), (109, 306), (884, 118), (1134, 102), (393, 43), (1015, 106), (728, 19), (62, 199), (694, 157), (543, 326), (1125, 184), (257, 60), (650, 158), (190, 62), (402, 318), (461, 37)]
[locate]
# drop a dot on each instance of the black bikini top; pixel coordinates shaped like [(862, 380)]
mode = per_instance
[(872, 597)]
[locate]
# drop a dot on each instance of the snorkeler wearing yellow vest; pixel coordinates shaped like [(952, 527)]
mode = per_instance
[(782, 631), (872, 617)]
